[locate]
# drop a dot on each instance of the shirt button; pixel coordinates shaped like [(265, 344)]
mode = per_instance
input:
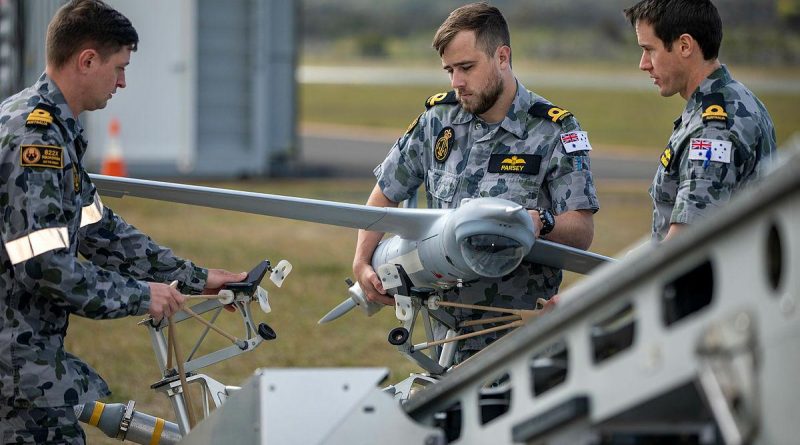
[(477, 125)]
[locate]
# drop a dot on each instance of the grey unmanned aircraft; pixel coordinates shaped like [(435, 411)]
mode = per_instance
[(432, 250), (436, 248)]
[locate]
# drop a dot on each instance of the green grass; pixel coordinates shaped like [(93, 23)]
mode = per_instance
[(638, 120), (120, 350)]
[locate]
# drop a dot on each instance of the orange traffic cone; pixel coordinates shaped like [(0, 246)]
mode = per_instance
[(113, 164)]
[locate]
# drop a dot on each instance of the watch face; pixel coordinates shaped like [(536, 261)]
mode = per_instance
[(551, 220), (548, 221)]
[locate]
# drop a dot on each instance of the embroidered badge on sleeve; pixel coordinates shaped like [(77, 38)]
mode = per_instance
[(41, 156), (709, 150), (576, 141)]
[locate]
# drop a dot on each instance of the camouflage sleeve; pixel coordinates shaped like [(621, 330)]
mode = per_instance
[(706, 184), (569, 177), (36, 234), (402, 172), (113, 244)]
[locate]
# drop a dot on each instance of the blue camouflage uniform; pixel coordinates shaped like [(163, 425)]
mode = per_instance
[(51, 212), (529, 158), (720, 144)]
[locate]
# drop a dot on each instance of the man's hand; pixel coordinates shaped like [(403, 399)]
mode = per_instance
[(164, 300), (365, 248), (371, 284), (550, 304), (217, 278)]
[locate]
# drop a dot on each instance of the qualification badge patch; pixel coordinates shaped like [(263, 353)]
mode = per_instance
[(444, 144)]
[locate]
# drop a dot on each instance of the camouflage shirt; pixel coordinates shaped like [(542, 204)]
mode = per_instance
[(718, 146), (51, 213), (523, 159)]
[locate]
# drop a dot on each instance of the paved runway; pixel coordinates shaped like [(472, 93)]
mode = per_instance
[(335, 153), (627, 79)]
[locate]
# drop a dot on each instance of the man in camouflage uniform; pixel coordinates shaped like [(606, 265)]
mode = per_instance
[(720, 141), (51, 213), (461, 147)]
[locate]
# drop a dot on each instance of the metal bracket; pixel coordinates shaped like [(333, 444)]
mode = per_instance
[(728, 376), (401, 391), (407, 309), (126, 420)]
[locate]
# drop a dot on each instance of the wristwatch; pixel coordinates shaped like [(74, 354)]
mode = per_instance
[(548, 220)]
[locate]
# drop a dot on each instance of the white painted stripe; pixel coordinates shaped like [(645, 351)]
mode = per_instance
[(92, 213), (37, 243)]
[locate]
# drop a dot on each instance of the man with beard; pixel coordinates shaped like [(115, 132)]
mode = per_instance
[(488, 137)]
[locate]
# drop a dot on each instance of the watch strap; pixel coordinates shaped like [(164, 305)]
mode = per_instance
[(548, 224)]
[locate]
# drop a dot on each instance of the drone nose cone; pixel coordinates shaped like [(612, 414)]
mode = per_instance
[(492, 255), (492, 236)]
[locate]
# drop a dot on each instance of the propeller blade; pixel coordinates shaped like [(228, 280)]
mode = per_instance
[(565, 257), (343, 308)]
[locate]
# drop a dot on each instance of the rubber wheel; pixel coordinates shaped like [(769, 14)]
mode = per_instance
[(266, 332), (398, 336)]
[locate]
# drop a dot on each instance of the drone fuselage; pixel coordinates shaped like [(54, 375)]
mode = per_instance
[(483, 238)]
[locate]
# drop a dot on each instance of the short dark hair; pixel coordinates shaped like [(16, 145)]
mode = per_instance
[(671, 18), (88, 22), (488, 23)]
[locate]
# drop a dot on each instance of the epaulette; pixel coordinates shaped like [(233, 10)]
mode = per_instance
[(714, 108), (41, 116), (442, 98), (413, 124), (544, 110)]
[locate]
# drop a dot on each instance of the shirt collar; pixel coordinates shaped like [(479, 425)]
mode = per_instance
[(711, 84), (516, 118), (50, 94)]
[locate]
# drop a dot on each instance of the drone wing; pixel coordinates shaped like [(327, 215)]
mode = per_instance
[(408, 223), (565, 257)]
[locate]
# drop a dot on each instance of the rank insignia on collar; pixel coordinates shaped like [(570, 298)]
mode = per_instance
[(413, 124), (41, 116), (48, 156), (714, 108), (444, 143), (76, 178), (666, 158)]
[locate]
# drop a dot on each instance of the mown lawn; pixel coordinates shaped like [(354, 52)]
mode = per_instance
[(635, 120)]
